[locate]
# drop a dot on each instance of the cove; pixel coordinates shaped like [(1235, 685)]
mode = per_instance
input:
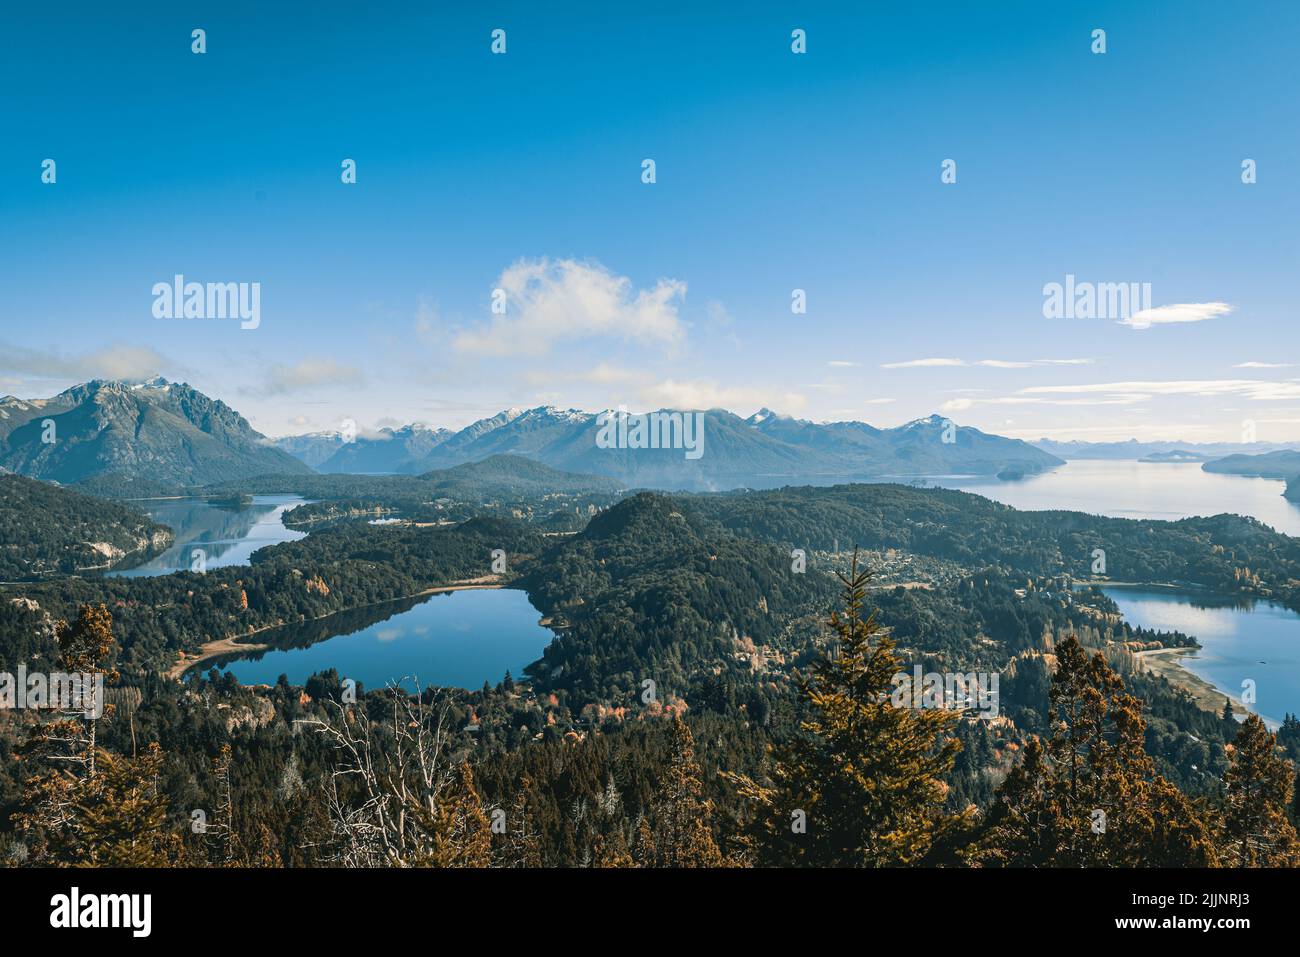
[(452, 639), (1256, 641), (226, 536)]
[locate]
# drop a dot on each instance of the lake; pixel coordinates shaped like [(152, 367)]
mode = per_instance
[(1240, 640), (1132, 489), (227, 536), (457, 639)]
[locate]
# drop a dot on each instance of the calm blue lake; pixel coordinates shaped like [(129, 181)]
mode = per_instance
[(1257, 641), (1132, 489), (226, 536), (455, 639)]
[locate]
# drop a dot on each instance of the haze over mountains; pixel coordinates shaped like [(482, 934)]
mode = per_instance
[(763, 450), (1133, 449), (157, 433)]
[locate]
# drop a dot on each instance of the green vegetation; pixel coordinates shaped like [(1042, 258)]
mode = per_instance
[(47, 531), (694, 698)]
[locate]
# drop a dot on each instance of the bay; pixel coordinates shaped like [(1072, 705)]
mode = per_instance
[(225, 535), (1241, 641), (1132, 489), (452, 639)]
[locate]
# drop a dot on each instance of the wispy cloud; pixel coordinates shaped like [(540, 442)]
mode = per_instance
[(111, 362), (987, 363), (1259, 390), (960, 405), (550, 301), (1132, 392), (1264, 365), (308, 374), (706, 394), (923, 363), (1177, 312)]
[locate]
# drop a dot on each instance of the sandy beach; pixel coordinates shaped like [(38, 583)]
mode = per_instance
[(1167, 663)]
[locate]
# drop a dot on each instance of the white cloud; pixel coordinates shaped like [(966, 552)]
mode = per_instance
[(308, 374), (1131, 393), (549, 301), (923, 363), (842, 364), (987, 363), (1259, 390), (705, 394), (111, 362), (1264, 365), (959, 405), (1177, 312)]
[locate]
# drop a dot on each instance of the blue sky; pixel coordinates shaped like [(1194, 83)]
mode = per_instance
[(775, 172)]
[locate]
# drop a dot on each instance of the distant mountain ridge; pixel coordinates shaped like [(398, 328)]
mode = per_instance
[(163, 432), (385, 452), (764, 450), (1133, 449), (1283, 464)]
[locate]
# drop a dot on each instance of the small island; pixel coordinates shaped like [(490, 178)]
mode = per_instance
[(1176, 455), (236, 501)]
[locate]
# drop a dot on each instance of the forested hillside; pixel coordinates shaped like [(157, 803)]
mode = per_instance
[(694, 678), (46, 530), (1228, 552)]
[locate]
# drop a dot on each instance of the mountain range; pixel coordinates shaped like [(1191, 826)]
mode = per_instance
[(763, 450), (1133, 449), (154, 431), (158, 433)]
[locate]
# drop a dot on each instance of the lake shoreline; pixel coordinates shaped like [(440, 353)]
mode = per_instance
[(1165, 663), (220, 647), (1240, 647)]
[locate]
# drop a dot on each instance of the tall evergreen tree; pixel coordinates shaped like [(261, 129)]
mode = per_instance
[(682, 835), (1257, 788), (863, 786), (124, 815), (1087, 794)]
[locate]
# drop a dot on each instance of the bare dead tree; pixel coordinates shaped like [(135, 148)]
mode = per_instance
[(396, 796)]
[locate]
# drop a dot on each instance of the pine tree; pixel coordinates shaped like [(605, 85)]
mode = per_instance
[(1229, 718), (67, 746), (124, 817), (1257, 788), (682, 833), (1087, 794), (521, 846), (610, 850), (644, 852), (864, 785), (460, 834)]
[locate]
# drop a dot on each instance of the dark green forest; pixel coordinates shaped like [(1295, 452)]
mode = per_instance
[(705, 683), (47, 531)]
